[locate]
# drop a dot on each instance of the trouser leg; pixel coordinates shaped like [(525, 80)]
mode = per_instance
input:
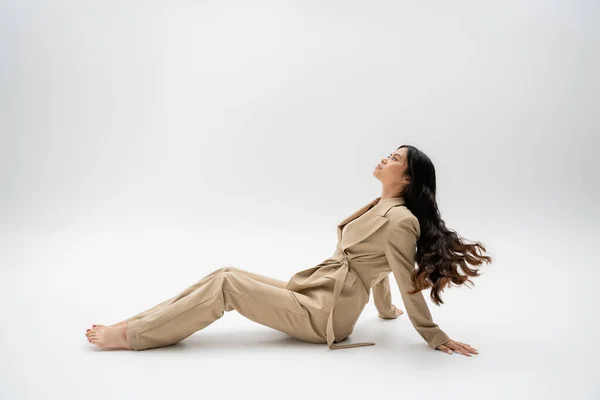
[(261, 278), (150, 310), (206, 301)]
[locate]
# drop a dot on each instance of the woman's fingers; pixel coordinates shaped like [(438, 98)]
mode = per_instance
[(445, 349), (458, 347), (461, 350), (468, 347)]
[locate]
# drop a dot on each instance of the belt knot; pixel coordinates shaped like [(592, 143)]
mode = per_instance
[(344, 258)]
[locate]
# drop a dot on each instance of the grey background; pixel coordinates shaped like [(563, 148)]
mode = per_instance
[(144, 144)]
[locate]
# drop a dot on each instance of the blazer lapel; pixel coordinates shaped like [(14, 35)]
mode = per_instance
[(370, 225)]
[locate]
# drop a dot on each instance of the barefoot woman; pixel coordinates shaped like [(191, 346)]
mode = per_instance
[(321, 304)]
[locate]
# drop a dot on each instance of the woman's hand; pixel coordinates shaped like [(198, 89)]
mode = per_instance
[(459, 347)]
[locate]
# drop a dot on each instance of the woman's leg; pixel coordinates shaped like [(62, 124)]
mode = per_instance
[(253, 275), (257, 297), (258, 277), (146, 312)]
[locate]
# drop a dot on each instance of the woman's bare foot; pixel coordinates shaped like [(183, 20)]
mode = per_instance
[(109, 337), (113, 325)]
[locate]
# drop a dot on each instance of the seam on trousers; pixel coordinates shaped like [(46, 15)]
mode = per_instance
[(320, 332), (252, 298), (139, 333), (358, 316), (175, 316), (212, 297)]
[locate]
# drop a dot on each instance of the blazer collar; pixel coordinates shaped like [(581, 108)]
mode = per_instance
[(380, 208)]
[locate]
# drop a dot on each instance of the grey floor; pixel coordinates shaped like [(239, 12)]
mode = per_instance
[(535, 331)]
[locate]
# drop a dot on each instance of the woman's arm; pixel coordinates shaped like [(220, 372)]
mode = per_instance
[(382, 296), (400, 250)]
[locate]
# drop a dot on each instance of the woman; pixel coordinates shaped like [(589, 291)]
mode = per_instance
[(389, 234)]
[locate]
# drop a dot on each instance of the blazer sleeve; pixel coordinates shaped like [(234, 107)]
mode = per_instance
[(400, 250), (382, 296)]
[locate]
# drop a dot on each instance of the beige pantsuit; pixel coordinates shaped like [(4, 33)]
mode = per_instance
[(375, 240), (259, 298)]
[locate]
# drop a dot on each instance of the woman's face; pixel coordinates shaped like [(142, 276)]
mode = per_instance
[(390, 170)]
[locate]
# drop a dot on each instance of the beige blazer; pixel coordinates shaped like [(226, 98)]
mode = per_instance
[(383, 241)]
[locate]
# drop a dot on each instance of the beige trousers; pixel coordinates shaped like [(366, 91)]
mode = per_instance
[(260, 298)]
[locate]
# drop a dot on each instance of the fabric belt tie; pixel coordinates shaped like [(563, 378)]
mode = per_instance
[(337, 289)]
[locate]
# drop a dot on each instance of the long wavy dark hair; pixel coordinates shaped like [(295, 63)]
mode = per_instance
[(440, 251)]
